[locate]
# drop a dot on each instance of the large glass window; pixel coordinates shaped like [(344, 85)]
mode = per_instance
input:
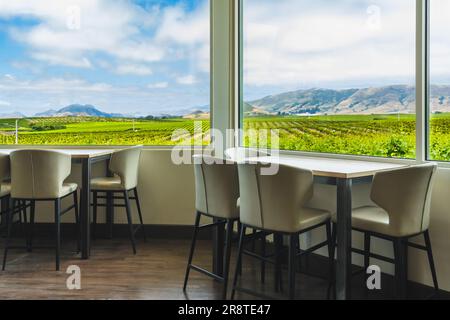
[(439, 139), (103, 71), (332, 76)]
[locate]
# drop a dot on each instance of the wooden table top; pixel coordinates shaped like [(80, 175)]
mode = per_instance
[(334, 168)]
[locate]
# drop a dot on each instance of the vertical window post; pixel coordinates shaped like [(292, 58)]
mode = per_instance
[(422, 77)]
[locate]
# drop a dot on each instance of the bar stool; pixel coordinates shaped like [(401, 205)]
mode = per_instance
[(38, 175), (402, 211), (124, 165), (5, 186), (276, 203), (217, 192), (240, 154)]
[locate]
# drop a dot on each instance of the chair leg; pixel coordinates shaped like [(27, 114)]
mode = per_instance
[(253, 240), (330, 251), (278, 241), (401, 277), (94, 213), (226, 261), (138, 205), (130, 221), (9, 221), (330, 292), (291, 264), (58, 231), (191, 252), (31, 228), (431, 260), (239, 234), (24, 223), (239, 260), (77, 220), (263, 253)]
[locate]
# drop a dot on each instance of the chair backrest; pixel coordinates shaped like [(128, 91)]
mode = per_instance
[(125, 164), (273, 202), (5, 167), (240, 153), (216, 187), (406, 195), (39, 174)]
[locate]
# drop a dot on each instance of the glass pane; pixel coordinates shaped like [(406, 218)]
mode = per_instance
[(332, 76), (440, 80), (103, 71)]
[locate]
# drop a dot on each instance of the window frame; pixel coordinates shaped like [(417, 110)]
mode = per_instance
[(422, 75)]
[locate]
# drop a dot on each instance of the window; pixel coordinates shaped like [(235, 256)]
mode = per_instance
[(332, 76), (103, 72), (439, 139)]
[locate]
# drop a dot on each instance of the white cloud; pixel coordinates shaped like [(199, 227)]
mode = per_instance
[(302, 43), (53, 85), (133, 69), (158, 85), (187, 80), (61, 59), (4, 103)]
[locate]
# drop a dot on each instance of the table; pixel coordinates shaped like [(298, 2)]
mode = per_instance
[(342, 173), (86, 157)]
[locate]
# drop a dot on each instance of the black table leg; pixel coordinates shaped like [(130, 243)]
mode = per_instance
[(344, 238), (85, 206), (109, 206), (218, 246)]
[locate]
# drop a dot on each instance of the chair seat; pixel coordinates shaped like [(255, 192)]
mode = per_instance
[(373, 219), (5, 189), (68, 188), (311, 217), (107, 183)]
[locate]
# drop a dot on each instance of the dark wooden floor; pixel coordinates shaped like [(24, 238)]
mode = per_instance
[(156, 272)]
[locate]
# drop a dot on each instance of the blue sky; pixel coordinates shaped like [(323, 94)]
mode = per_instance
[(143, 57), (135, 57)]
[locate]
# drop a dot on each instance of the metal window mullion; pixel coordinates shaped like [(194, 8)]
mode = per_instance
[(422, 77)]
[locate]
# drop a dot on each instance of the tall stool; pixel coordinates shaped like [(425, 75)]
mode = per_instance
[(402, 212), (217, 192), (124, 165), (276, 204), (38, 175)]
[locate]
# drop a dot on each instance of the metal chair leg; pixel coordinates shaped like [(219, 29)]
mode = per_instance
[(130, 221), (401, 277), (226, 261), (58, 232), (9, 221), (263, 253), (77, 220), (191, 252), (426, 235), (31, 226), (278, 241), (138, 205), (291, 265), (94, 213), (239, 260)]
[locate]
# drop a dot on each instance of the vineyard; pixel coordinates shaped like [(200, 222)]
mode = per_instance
[(375, 135)]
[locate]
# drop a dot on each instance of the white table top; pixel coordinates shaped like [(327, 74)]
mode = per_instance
[(75, 153), (334, 168)]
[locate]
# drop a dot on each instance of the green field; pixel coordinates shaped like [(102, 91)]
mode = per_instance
[(375, 135)]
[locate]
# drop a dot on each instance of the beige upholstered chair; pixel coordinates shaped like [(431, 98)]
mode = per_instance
[(217, 192), (276, 203), (402, 200), (39, 175), (5, 174), (124, 167)]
